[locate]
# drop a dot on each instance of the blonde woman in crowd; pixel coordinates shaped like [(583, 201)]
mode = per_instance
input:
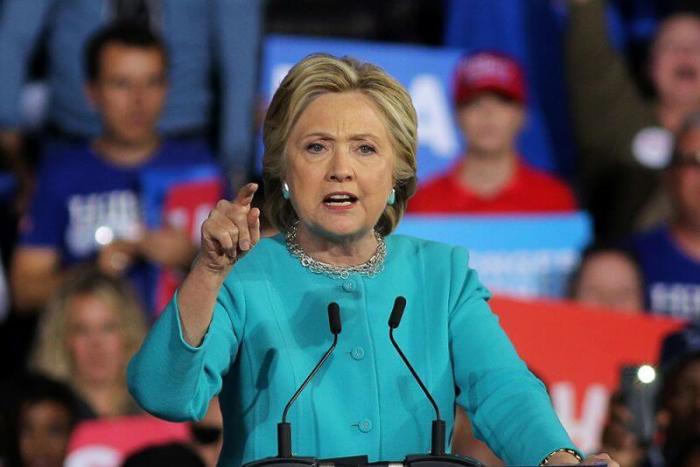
[(91, 327)]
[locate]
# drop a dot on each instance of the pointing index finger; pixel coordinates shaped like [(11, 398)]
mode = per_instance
[(245, 194)]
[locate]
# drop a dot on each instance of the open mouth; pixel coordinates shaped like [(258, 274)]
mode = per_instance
[(339, 199)]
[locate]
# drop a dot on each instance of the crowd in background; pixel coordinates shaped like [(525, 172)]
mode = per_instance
[(144, 87)]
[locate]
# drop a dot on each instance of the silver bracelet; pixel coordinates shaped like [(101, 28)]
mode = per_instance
[(578, 457)]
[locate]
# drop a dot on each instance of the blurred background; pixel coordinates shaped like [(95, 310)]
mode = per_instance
[(559, 141)]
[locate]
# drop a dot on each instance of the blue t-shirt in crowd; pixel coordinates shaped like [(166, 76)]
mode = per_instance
[(672, 276), (83, 201)]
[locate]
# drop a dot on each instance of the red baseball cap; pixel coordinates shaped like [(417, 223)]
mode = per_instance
[(488, 72)]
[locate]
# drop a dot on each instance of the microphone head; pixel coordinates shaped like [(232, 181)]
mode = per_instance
[(334, 318), (397, 312)]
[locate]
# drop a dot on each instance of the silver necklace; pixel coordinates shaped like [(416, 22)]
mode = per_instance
[(369, 268)]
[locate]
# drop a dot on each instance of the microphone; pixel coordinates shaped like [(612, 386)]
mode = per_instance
[(284, 428), (437, 456), (438, 433)]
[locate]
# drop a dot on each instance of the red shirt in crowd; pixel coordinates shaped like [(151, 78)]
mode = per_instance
[(529, 191)]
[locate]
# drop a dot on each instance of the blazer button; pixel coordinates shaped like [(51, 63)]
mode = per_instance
[(348, 286), (358, 353), (365, 425)]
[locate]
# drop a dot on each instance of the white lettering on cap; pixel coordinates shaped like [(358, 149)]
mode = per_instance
[(487, 67)]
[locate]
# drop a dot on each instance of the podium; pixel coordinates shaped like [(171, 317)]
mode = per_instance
[(448, 460), (415, 460)]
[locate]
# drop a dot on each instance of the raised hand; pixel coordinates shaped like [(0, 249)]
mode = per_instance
[(230, 231)]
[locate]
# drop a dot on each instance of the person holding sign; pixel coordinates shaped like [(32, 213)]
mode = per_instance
[(248, 322)]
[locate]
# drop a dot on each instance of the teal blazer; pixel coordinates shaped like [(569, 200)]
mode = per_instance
[(270, 327)]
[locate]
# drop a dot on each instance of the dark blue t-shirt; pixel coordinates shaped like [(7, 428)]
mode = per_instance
[(672, 277), (83, 201)]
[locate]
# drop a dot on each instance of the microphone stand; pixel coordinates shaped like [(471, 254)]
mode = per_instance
[(284, 428), (437, 456)]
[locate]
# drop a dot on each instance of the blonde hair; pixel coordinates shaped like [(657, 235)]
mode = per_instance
[(320, 74), (50, 354)]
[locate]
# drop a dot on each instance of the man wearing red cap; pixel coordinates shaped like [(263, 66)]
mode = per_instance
[(489, 91)]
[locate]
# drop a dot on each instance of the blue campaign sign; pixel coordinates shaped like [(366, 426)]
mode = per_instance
[(522, 255), (427, 74)]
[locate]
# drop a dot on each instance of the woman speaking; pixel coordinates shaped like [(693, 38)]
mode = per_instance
[(249, 321)]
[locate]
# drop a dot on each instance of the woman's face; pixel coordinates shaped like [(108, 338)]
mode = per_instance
[(340, 162), (95, 340), (44, 430)]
